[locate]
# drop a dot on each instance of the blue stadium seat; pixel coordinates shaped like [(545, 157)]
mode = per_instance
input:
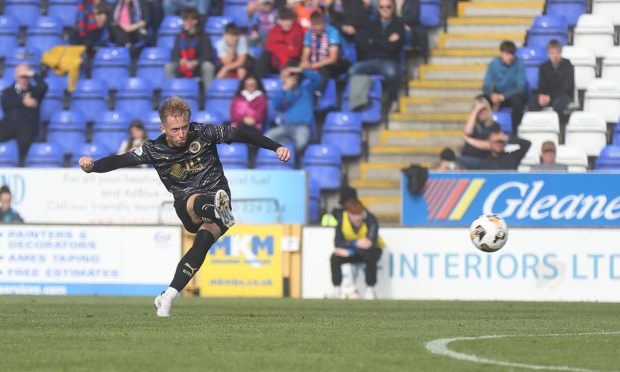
[(9, 154), (183, 88), (9, 33), (65, 10), (208, 117), (430, 13), (25, 11), (168, 30), (609, 158), (135, 97), (67, 129), (233, 156), (238, 13), (616, 134), (90, 98), (45, 155), (351, 52), (371, 114), (322, 163), (219, 96), (504, 119), (546, 28), (4, 82), (532, 58), (314, 201), (271, 85), (267, 159), (111, 128), (27, 55), (328, 100), (94, 150), (152, 65), (571, 10), (53, 100), (112, 66), (215, 25), (45, 34), (344, 131), (152, 124)]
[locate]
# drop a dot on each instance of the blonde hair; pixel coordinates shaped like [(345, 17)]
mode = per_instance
[(174, 107)]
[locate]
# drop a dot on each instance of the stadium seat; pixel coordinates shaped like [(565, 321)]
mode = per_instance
[(595, 32), (25, 11), (45, 155), (616, 134), (328, 100), (569, 9), (546, 28), (27, 55), (572, 156), (611, 65), (152, 65), (9, 33), (168, 31), (183, 88), (65, 10), (314, 201), (267, 159), (4, 82), (538, 127), (219, 96), (233, 156), (207, 117), (9, 154), (271, 85), (584, 63), (67, 129), (604, 96), (215, 25), (609, 8), (90, 98), (504, 119), (344, 131), (152, 124), (371, 114), (94, 150), (112, 66), (587, 130), (238, 13), (322, 163), (53, 100), (111, 128), (532, 157), (45, 34), (135, 97), (430, 13), (609, 158), (532, 58)]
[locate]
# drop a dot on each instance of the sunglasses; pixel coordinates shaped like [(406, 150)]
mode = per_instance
[(385, 7)]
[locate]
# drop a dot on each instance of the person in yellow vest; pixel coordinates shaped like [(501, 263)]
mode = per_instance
[(357, 241)]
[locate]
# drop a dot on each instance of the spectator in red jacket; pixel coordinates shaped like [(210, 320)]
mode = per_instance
[(249, 107), (284, 44)]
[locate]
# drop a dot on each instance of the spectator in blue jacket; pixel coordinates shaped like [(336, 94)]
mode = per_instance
[(294, 106), (7, 213), (505, 82)]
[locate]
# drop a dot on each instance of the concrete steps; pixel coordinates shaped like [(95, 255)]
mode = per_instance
[(500, 9), (421, 138), (452, 72), (478, 41), (444, 88), (488, 25), (435, 104)]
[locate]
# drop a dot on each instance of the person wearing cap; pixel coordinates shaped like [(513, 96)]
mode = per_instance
[(447, 161), (499, 158), (476, 133), (548, 160), (357, 240)]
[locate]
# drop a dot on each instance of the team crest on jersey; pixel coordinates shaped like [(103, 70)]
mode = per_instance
[(176, 170), (194, 147)]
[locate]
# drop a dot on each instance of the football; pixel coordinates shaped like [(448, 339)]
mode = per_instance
[(489, 233)]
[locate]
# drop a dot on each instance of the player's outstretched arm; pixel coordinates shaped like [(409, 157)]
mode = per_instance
[(259, 140), (107, 164)]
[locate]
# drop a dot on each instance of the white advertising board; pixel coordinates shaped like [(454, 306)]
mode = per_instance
[(442, 264), (93, 260)]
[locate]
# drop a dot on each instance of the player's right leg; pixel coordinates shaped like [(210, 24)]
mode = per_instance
[(211, 207)]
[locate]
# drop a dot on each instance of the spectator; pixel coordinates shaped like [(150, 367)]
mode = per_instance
[(505, 82), (20, 104), (378, 49), (556, 83), (547, 160), (263, 21), (248, 109), (357, 240), (284, 43), (128, 23), (476, 133), (324, 50), (447, 160), (172, 7), (136, 137), (92, 20), (348, 16), (294, 105), (415, 33), (7, 213), (232, 51), (192, 51), (304, 9), (500, 159)]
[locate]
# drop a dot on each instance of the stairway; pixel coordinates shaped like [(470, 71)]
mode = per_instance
[(439, 101)]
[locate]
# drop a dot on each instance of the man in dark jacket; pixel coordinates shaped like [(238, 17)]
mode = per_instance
[(556, 82), (20, 104), (500, 159), (379, 46), (348, 16)]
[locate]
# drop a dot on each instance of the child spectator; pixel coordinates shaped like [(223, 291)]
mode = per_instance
[(248, 109), (232, 51), (136, 137), (263, 21)]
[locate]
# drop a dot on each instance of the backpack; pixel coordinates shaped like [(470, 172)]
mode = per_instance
[(416, 178)]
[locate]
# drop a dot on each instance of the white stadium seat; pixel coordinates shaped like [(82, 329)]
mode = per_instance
[(595, 32), (587, 130), (532, 157), (604, 96), (584, 62), (611, 65), (574, 157), (610, 8), (538, 127)]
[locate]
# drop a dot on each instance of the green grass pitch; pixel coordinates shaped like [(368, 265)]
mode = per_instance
[(120, 334)]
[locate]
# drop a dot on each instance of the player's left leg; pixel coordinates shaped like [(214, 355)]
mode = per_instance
[(371, 257), (210, 207)]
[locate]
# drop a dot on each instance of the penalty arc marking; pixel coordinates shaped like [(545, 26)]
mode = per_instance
[(440, 347)]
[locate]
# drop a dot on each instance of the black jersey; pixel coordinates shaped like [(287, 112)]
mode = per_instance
[(194, 168)]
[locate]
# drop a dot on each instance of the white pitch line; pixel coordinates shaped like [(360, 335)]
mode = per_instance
[(440, 347)]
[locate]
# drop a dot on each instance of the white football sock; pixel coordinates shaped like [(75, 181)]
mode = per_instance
[(171, 292)]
